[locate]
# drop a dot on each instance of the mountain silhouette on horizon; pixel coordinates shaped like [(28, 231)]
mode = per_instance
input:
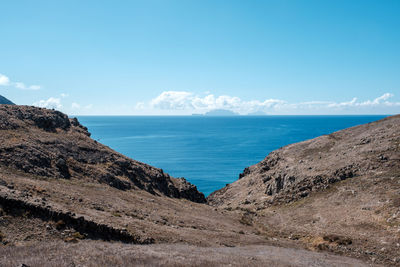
[(220, 112), (4, 100)]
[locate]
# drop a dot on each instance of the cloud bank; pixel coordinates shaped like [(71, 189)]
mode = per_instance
[(181, 100), (52, 103), (5, 81), (59, 103), (184, 101)]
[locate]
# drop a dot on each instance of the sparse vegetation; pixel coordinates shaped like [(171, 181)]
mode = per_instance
[(78, 235), (116, 214), (246, 219)]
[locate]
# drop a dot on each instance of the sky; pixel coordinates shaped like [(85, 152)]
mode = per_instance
[(173, 57)]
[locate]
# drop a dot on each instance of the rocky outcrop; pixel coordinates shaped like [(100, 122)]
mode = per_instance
[(47, 143), (186, 190), (91, 229), (17, 117), (297, 170)]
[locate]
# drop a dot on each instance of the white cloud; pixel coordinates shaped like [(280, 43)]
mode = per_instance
[(75, 106), (140, 105), (64, 95), (49, 103), (379, 101), (344, 104), (187, 101), (385, 96), (182, 100), (172, 100), (22, 86), (5, 81), (34, 87), (315, 103)]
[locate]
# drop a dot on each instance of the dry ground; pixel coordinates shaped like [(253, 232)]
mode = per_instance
[(339, 192), (92, 253)]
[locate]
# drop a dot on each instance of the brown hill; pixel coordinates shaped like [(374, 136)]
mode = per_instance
[(339, 191), (295, 171)]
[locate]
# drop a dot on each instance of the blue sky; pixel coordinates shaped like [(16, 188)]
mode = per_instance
[(183, 57)]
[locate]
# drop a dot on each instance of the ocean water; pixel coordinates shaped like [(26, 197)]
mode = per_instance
[(209, 151)]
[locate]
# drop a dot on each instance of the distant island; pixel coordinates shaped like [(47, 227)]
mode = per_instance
[(225, 112), (5, 101), (218, 112), (257, 113)]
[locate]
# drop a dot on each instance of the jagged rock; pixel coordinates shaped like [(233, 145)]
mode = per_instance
[(63, 168), (65, 219), (244, 173)]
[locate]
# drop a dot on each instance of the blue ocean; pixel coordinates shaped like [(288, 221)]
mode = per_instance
[(209, 151)]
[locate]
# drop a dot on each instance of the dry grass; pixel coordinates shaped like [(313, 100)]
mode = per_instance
[(92, 253)]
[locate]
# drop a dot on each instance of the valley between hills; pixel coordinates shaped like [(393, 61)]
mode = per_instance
[(68, 200)]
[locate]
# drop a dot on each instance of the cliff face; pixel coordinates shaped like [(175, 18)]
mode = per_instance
[(297, 170), (46, 143)]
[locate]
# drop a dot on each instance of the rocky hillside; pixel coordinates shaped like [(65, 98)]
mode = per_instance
[(338, 192), (59, 185), (297, 170), (4, 100), (47, 143)]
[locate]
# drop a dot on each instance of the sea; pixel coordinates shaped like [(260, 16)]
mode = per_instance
[(209, 151)]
